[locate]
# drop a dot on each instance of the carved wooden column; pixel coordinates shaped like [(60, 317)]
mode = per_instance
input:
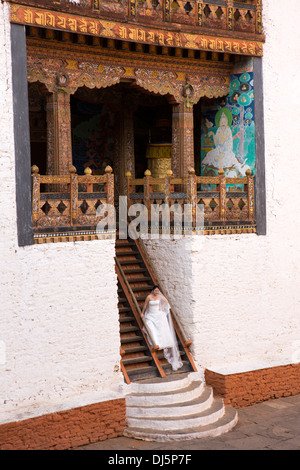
[(182, 139), (59, 140)]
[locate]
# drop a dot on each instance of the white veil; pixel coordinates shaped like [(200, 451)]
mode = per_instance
[(172, 354)]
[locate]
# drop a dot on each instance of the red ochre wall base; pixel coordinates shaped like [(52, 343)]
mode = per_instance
[(105, 420), (247, 388), (66, 429)]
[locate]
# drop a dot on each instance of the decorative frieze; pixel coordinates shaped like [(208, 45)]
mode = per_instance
[(65, 68), (136, 32), (217, 15)]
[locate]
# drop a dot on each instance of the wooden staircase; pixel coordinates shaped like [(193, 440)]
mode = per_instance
[(136, 277)]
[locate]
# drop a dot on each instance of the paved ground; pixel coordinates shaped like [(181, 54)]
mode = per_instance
[(272, 425)]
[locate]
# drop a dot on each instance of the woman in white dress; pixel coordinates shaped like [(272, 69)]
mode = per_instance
[(157, 316)]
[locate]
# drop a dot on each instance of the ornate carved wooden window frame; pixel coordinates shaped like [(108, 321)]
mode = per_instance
[(57, 71)]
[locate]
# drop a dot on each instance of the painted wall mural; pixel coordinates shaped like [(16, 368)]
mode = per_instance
[(228, 129)]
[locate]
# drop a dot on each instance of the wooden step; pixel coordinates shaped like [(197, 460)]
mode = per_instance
[(126, 319), (131, 261), (124, 243), (131, 339), (129, 329), (139, 279), (127, 253), (124, 309), (141, 372), (142, 288), (168, 369), (134, 271), (134, 349), (137, 360)]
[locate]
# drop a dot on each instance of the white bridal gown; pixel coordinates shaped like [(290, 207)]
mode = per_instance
[(159, 322)]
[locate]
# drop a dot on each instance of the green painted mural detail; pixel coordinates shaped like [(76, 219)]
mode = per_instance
[(228, 131)]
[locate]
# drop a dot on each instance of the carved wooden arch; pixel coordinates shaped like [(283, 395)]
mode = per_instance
[(183, 87), (69, 71), (58, 78), (158, 82)]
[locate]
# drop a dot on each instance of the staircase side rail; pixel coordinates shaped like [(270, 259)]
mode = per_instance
[(156, 281), (141, 321), (136, 303), (126, 376), (186, 343)]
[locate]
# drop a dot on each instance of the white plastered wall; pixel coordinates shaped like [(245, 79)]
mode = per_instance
[(59, 329), (239, 295)]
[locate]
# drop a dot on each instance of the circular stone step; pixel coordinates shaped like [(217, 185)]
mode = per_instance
[(176, 381), (223, 425), (194, 406), (180, 423), (177, 407), (186, 394)]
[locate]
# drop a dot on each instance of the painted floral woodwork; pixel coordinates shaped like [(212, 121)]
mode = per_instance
[(243, 16), (63, 69), (199, 26)]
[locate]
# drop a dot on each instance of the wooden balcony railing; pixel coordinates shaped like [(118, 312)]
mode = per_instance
[(69, 201), (223, 201), (216, 14), (243, 15)]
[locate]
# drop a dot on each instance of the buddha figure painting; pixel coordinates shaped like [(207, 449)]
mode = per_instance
[(222, 156)]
